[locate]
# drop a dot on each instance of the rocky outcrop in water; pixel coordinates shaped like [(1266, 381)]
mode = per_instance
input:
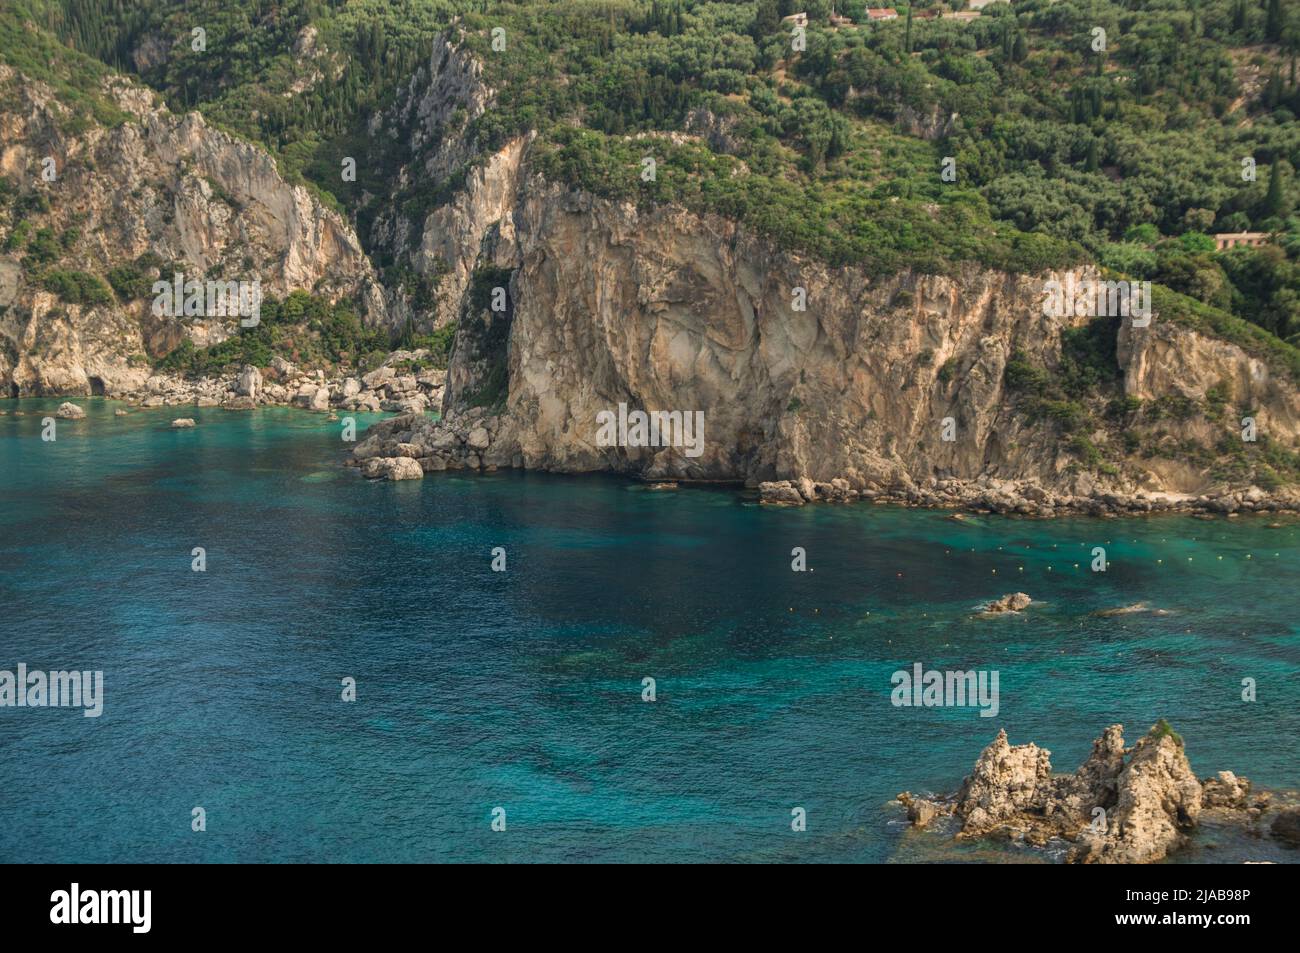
[(1012, 602), (1122, 805), (460, 442), (396, 468)]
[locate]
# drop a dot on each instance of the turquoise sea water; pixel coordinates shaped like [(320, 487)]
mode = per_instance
[(523, 689)]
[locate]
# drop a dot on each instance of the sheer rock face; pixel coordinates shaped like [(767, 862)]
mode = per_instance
[(663, 309), (215, 206), (431, 114), (843, 386), (1166, 360)]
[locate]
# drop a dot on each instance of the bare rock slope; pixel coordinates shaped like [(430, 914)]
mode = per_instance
[(196, 199)]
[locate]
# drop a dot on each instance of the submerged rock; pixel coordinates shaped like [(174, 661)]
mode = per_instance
[(1286, 827), (1122, 610)]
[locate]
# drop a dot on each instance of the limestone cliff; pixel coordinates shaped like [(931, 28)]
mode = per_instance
[(431, 119), (194, 198), (661, 309), (814, 382)]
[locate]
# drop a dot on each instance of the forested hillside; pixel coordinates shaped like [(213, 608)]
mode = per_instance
[(1128, 150)]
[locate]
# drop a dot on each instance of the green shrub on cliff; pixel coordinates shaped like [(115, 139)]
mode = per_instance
[(76, 287), (1022, 375), (1162, 729), (438, 343), (303, 328)]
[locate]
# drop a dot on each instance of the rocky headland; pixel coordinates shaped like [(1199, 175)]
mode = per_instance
[(817, 383)]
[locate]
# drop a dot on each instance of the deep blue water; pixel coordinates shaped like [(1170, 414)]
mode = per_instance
[(523, 689)]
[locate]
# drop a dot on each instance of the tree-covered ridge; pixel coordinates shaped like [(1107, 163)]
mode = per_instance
[(1130, 155), (1133, 152)]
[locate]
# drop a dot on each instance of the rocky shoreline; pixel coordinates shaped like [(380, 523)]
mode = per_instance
[(1124, 805), (1029, 498), (411, 444), (468, 440), (393, 387)]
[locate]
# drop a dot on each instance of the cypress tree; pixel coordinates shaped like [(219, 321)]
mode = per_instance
[(1273, 201), (1273, 21)]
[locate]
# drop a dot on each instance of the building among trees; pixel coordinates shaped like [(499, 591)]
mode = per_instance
[(1236, 239)]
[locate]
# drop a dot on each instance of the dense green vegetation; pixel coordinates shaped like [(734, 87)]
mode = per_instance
[(307, 329), (29, 45), (302, 327), (76, 287), (1130, 155)]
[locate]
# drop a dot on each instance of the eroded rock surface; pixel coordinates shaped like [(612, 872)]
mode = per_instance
[(1122, 805), (195, 198)]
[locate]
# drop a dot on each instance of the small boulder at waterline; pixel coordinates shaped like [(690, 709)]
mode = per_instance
[(1012, 602)]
